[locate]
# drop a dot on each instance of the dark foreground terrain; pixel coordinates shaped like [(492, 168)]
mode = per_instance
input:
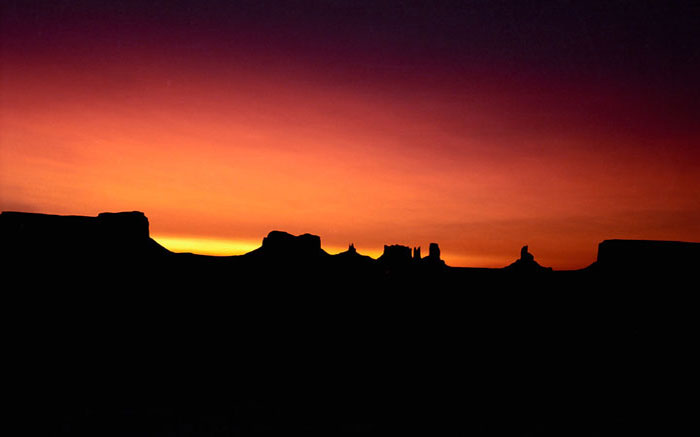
[(108, 333)]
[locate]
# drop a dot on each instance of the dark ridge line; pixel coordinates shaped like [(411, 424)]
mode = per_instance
[(119, 228)]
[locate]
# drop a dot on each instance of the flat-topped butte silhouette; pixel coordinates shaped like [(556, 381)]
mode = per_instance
[(29, 226), (647, 254), (279, 244)]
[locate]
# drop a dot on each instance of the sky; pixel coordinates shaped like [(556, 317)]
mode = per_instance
[(480, 125)]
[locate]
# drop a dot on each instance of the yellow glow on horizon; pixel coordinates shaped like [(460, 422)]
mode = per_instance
[(472, 260), (206, 246), (334, 250), (230, 247)]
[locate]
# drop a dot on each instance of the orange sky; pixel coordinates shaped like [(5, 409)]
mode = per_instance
[(219, 152)]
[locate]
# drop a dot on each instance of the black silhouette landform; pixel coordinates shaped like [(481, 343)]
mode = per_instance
[(112, 333)]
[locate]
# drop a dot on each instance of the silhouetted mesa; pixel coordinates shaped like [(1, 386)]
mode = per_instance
[(395, 255), (280, 244), (24, 224), (43, 233), (648, 255)]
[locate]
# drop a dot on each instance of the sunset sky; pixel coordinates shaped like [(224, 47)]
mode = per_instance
[(480, 125)]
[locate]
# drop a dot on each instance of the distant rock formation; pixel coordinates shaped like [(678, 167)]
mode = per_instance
[(123, 224), (434, 251), (395, 255), (648, 255), (123, 237), (352, 259), (433, 258), (526, 256), (351, 253), (106, 233), (285, 245), (527, 263), (416, 254)]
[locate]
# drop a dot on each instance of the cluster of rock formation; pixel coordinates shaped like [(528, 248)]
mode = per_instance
[(128, 233), (398, 255)]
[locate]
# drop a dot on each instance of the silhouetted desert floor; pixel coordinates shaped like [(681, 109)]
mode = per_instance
[(110, 334)]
